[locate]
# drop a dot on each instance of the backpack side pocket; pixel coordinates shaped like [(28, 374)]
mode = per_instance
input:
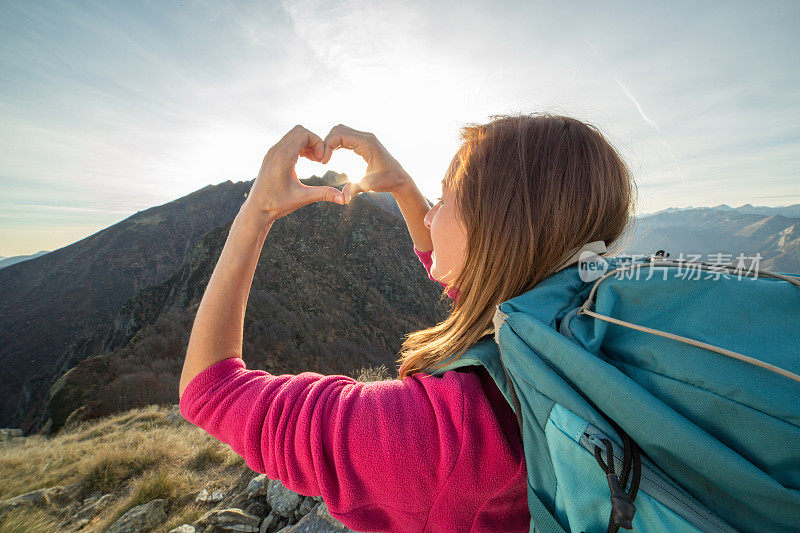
[(583, 494)]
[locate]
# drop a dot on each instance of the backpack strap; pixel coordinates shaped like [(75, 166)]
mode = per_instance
[(542, 518), (622, 507)]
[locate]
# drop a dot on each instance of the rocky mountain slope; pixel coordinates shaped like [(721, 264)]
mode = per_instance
[(336, 289), (48, 302), (73, 294)]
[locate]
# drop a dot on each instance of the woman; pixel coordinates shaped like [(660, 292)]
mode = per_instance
[(419, 453)]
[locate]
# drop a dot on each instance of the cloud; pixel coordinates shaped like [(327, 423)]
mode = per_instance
[(73, 209), (106, 109)]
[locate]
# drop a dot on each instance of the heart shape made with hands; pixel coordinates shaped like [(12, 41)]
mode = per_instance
[(277, 191), (342, 161)]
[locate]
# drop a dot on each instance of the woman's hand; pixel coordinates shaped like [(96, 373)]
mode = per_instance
[(384, 173), (276, 191)]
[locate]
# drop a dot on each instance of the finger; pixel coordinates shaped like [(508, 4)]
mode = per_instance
[(312, 152), (319, 148), (299, 141), (323, 194), (328, 152), (351, 189), (314, 149), (340, 137)]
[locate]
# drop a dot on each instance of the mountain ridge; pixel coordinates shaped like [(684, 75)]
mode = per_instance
[(110, 294), (13, 260), (49, 302), (790, 211), (290, 326), (55, 309), (773, 241)]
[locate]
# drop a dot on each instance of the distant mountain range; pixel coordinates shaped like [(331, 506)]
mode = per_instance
[(771, 240), (101, 325), (789, 211), (8, 261)]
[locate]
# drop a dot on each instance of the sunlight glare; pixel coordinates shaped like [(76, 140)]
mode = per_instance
[(343, 161)]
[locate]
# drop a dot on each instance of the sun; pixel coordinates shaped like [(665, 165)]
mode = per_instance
[(342, 161)]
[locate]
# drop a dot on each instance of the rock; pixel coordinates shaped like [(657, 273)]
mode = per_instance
[(257, 508), (231, 520), (282, 500), (185, 528), (258, 486), (279, 524), (141, 517), (305, 507), (56, 496), (317, 521), (61, 496), (206, 497), (174, 418), (266, 523), (33, 498), (95, 505), (333, 178)]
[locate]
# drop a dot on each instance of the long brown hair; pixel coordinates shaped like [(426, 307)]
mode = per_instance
[(530, 189)]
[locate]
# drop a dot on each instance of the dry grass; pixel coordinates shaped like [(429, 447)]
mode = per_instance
[(138, 455), (187, 515), (370, 373), (29, 521)]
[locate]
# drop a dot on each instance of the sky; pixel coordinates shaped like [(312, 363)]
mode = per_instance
[(108, 108)]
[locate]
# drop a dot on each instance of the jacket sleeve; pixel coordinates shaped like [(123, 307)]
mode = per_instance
[(427, 261), (378, 453)]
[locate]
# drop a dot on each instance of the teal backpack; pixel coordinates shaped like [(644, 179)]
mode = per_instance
[(653, 400)]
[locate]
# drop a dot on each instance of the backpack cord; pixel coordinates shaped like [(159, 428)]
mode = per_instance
[(656, 261), (622, 507)]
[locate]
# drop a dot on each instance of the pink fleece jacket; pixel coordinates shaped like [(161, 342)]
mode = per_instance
[(424, 453)]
